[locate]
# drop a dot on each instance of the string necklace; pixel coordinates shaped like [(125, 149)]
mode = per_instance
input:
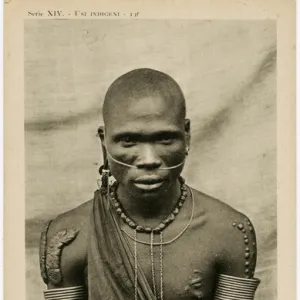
[(152, 244), (173, 239), (157, 230)]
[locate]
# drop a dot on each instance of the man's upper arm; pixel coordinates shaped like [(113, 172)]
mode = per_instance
[(61, 255), (240, 250)]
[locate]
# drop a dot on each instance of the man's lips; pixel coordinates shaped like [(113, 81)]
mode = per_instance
[(149, 182), (148, 187)]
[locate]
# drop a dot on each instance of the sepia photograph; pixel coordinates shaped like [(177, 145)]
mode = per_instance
[(150, 159)]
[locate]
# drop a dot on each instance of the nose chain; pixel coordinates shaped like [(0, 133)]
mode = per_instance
[(135, 167)]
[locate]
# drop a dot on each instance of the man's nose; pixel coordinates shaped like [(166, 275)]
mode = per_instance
[(148, 159)]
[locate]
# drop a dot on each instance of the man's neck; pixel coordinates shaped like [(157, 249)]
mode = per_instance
[(148, 211)]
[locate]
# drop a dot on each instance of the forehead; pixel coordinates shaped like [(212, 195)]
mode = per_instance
[(147, 114)]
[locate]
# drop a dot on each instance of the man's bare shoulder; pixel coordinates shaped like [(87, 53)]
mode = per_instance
[(221, 217), (63, 251), (216, 208), (232, 232), (74, 218)]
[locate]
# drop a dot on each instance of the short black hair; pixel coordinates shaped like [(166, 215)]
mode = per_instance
[(142, 82)]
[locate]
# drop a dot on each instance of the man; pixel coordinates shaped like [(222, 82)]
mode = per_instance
[(146, 234)]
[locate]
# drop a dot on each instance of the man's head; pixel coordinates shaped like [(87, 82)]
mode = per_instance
[(145, 126)]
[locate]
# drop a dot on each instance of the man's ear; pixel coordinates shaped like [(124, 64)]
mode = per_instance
[(101, 134), (187, 129)]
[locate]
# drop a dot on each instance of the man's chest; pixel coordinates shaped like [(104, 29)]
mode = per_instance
[(184, 269)]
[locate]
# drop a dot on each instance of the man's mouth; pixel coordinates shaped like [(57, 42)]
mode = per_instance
[(149, 183)]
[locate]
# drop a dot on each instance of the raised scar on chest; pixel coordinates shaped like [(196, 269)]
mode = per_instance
[(195, 283)]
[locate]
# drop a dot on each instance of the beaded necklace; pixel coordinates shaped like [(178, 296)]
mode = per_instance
[(157, 230), (163, 224)]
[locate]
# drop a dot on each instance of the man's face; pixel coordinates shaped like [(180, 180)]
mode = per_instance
[(149, 134)]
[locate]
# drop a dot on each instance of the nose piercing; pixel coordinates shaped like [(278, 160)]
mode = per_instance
[(135, 167)]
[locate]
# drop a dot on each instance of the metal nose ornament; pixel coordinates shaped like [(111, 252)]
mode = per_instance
[(135, 167)]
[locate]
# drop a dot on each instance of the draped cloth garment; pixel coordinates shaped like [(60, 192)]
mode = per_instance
[(110, 259)]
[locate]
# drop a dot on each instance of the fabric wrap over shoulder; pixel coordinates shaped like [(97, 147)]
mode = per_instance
[(111, 266)]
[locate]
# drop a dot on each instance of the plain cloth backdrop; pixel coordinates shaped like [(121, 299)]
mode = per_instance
[(227, 71)]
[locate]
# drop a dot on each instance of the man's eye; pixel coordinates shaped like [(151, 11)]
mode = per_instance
[(128, 141), (166, 140)]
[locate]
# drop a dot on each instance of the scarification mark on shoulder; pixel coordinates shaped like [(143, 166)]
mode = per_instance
[(42, 254), (54, 251), (246, 228)]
